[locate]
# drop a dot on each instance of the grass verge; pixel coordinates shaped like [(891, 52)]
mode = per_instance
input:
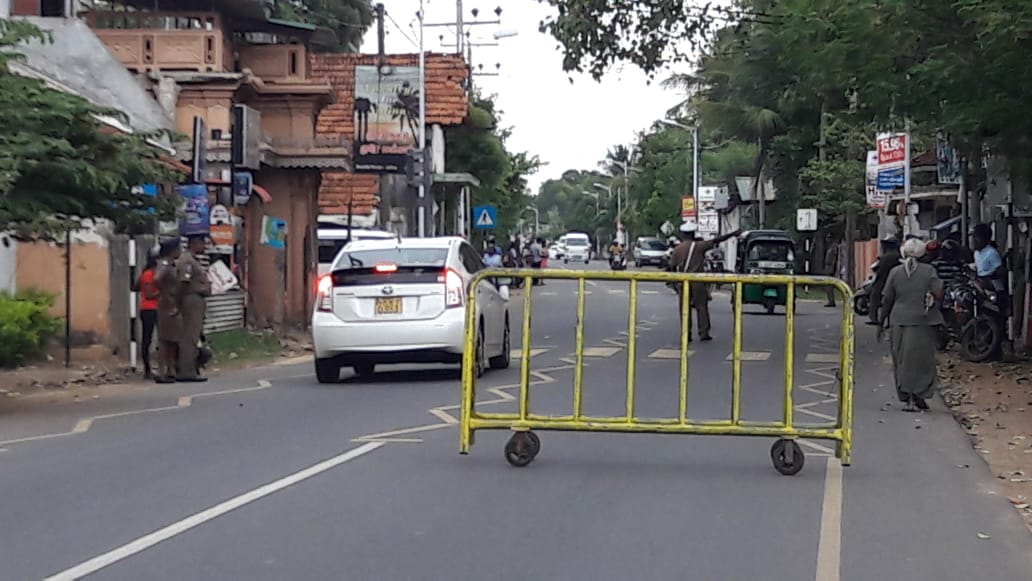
[(231, 348)]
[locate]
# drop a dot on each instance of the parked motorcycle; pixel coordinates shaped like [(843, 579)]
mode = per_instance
[(974, 318), (862, 297)]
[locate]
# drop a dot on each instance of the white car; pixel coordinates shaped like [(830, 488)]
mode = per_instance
[(578, 249), (403, 301), (333, 237)]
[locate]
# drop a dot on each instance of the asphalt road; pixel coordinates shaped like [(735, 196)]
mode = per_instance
[(266, 474)]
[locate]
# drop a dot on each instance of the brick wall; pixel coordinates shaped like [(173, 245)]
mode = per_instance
[(446, 104)]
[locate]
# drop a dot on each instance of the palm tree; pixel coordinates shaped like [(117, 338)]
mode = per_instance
[(405, 109), (363, 107)]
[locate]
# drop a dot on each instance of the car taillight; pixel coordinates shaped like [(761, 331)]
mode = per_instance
[(452, 289), (324, 300)]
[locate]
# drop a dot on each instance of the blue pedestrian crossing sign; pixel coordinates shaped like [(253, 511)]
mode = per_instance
[(485, 217)]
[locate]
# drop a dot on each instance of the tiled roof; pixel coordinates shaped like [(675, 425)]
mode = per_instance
[(338, 187), (446, 104)]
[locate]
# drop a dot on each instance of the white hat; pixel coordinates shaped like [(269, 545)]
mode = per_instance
[(687, 227)]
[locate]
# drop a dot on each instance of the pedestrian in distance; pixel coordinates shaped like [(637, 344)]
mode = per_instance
[(492, 254), (148, 305), (910, 314), (194, 288), (831, 268), (536, 257), (690, 256), (170, 318)]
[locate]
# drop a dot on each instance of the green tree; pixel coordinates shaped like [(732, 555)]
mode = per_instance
[(478, 147), (348, 19), (59, 165)]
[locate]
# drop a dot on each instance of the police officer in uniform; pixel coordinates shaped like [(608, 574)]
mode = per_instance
[(170, 317), (690, 256), (194, 289)]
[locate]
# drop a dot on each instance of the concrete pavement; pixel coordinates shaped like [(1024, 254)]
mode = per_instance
[(218, 489)]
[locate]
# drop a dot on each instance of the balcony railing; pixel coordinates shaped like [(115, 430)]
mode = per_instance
[(179, 41)]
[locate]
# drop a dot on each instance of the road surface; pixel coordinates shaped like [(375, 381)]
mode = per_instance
[(266, 474)]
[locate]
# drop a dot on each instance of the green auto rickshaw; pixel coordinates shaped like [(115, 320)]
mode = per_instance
[(765, 252)]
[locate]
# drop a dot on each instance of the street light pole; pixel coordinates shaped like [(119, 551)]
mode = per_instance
[(696, 173)]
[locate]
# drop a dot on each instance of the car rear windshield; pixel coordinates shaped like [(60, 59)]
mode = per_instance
[(328, 250), (395, 265), (653, 245), (577, 242)]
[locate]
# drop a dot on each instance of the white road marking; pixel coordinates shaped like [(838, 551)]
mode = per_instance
[(750, 356), (648, 292), (822, 358), (518, 353), (668, 354), (145, 542), (829, 545), (617, 291), (601, 351)]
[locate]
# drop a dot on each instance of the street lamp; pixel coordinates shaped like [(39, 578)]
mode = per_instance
[(695, 152), (609, 193), (598, 243)]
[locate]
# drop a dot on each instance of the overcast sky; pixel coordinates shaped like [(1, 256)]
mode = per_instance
[(570, 126)]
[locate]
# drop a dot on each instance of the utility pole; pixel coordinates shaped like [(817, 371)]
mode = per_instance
[(761, 194), (696, 174), (421, 217), (380, 32), (906, 182), (459, 28)]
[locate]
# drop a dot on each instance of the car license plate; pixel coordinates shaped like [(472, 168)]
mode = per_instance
[(388, 306), (771, 293)]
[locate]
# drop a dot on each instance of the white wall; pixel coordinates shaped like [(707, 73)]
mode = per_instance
[(8, 262), (5, 8)]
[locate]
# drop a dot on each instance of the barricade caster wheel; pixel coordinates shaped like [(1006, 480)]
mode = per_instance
[(787, 456), (521, 448)]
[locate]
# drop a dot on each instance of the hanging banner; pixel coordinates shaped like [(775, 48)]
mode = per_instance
[(193, 217), (949, 162), (687, 207), (875, 198), (892, 150)]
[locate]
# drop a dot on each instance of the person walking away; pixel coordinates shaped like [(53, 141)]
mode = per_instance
[(911, 313), (536, 258), (831, 268), (690, 256), (148, 305), (989, 265), (195, 289), (169, 315), (888, 259)]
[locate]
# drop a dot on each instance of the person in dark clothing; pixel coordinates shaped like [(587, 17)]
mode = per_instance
[(889, 259), (948, 265), (831, 268), (690, 256)]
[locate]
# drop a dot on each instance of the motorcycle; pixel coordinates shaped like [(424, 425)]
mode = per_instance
[(618, 261), (862, 297), (974, 319)]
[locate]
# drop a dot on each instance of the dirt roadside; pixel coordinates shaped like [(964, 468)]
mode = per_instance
[(993, 402), (94, 370)]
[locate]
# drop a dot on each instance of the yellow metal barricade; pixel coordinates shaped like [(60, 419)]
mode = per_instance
[(786, 454)]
